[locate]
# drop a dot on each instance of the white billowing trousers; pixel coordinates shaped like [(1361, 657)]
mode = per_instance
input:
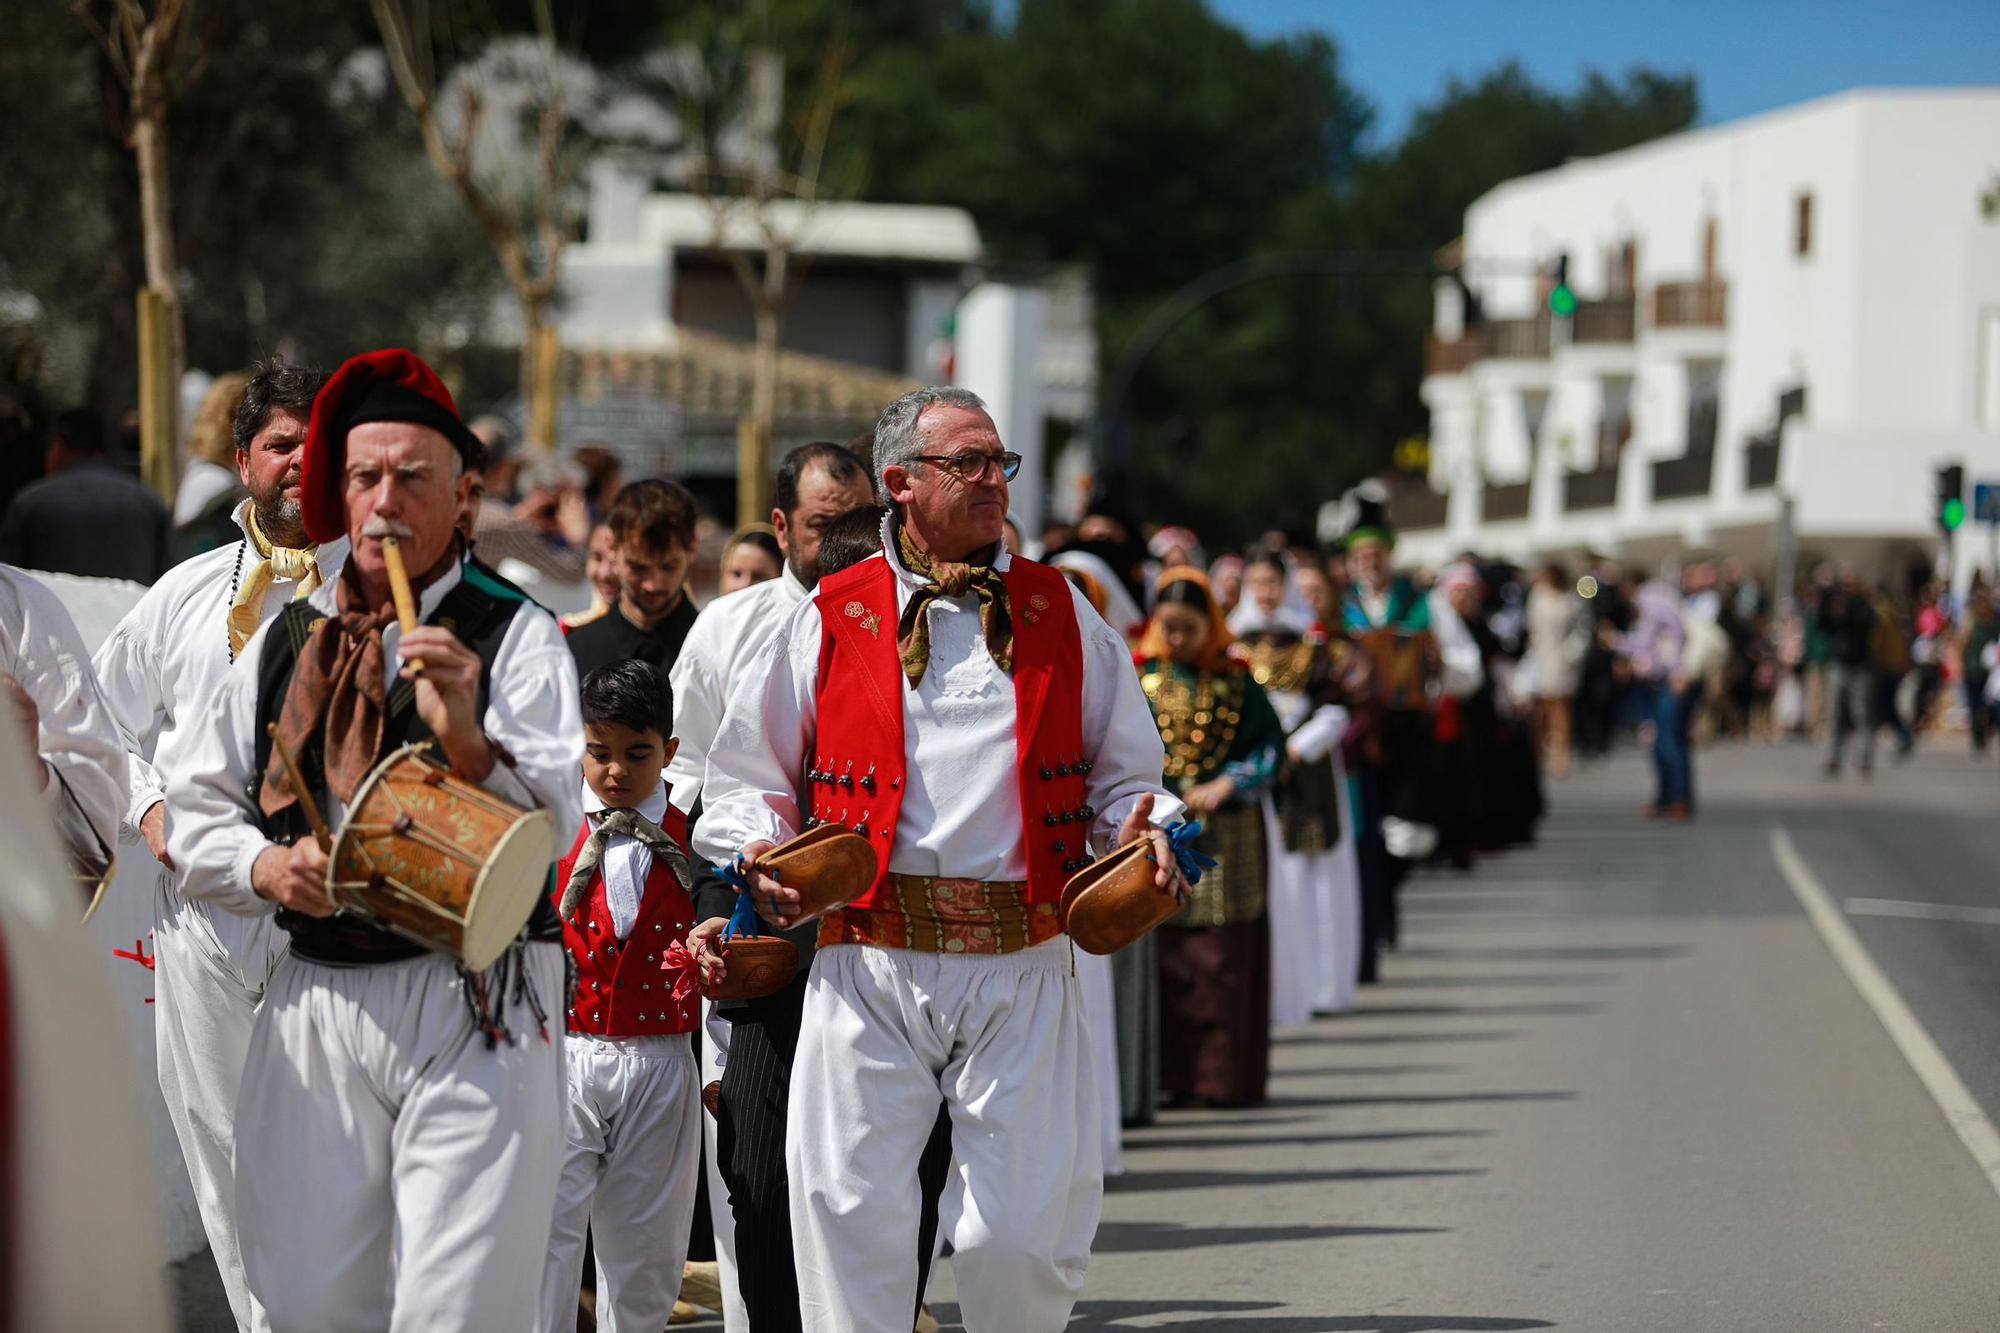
[(1093, 975), (628, 1178), (1004, 1038), (210, 971), (392, 1172)]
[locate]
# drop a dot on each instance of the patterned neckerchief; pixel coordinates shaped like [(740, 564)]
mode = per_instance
[(949, 578)]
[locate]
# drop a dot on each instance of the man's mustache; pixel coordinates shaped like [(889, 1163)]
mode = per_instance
[(387, 527)]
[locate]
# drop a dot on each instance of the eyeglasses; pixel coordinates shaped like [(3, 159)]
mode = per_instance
[(972, 464)]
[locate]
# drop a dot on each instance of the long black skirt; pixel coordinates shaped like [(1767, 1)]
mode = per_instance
[(1215, 1012)]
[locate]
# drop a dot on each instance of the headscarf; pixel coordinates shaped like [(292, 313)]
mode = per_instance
[(1167, 538), (1215, 653), (1120, 611)]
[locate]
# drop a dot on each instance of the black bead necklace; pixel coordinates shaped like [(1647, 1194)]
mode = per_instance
[(235, 578)]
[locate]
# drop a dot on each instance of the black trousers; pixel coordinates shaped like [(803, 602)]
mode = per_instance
[(750, 1146)]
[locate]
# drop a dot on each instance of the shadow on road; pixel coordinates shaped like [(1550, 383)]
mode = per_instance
[(1154, 1237), (1547, 953), (1317, 1038), (1138, 1182), (1190, 1144), (1239, 1317), (1365, 1071), (1425, 1099)]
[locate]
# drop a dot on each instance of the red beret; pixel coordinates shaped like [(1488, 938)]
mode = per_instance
[(386, 385)]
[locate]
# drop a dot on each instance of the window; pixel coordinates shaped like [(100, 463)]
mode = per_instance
[(1802, 227), (1614, 423), (1704, 385), (1989, 368)]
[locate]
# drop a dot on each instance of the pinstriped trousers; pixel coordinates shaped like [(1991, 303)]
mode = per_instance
[(750, 1146)]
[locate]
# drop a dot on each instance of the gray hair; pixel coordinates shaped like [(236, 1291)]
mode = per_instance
[(898, 440)]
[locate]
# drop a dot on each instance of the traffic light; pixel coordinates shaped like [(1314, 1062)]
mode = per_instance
[(1562, 301), (1951, 496)]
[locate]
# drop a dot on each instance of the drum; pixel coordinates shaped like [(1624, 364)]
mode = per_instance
[(439, 860), (1404, 667)]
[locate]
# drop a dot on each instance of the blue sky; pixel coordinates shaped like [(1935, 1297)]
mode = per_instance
[(1747, 56)]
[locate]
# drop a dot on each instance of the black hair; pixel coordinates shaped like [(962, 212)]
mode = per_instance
[(850, 539), (1185, 592), (835, 460), (273, 384), (631, 694), (81, 430), (1270, 558)]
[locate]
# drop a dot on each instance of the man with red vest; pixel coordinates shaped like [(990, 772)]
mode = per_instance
[(969, 714)]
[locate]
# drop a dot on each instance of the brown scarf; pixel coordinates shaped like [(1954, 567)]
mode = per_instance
[(339, 689), (947, 578)]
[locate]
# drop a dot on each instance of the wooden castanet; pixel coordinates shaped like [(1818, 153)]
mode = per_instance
[(755, 966), (828, 867), (1112, 902)]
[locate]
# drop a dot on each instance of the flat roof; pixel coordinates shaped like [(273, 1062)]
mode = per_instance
[(912, 233)]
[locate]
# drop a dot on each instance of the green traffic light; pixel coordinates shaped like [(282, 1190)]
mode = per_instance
[(1952, 514), (1562, 300)]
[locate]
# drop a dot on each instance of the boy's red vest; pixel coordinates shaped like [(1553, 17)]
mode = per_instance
[(856, 773), (621, 990)]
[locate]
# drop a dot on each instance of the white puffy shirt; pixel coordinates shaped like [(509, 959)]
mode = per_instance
[(40, 648), (532, 709), (726, 641), (161, 662), (961, 812)]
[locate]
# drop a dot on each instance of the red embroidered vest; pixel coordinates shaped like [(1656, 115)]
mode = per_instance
[(856, 773), (621, 990)]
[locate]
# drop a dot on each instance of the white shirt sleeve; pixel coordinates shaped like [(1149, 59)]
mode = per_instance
[(128, 668), (214, 835), (78, 739), (1119, 734), (535, 713), (699, 699), (751, 789)]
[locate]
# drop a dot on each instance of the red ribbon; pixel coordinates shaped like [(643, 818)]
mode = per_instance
[(679, 960), (137, 953)]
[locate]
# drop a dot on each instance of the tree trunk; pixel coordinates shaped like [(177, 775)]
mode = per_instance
[(753, 481), (160, 440)]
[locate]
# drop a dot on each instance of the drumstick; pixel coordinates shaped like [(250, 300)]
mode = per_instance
[(306, 802), (399, 588)]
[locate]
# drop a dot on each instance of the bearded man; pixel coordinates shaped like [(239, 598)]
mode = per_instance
[(159, 669), (400, 1120), (969, 714)]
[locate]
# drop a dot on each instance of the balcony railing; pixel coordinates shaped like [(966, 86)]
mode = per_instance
[(1691, 305), (1684, 477), (1416, 507), (1595, 489), (1520, 339), (1608, 321), (1451, 356), (1499, 503), (1760, 463)]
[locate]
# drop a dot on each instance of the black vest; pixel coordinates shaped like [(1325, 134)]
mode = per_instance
[(479, 611)]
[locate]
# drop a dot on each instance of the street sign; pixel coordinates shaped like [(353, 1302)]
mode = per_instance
[(1986, 502)]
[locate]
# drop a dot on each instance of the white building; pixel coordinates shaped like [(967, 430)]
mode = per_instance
[(1796, 311), (656, 330)]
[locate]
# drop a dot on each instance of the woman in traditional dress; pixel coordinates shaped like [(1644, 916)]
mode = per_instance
[(1223, 742), (1315, 907)]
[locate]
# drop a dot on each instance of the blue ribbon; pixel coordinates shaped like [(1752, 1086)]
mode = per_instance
[(1181, 836), (743, 918)]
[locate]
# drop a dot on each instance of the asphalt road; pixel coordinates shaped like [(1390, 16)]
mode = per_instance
[(1615, 1081)]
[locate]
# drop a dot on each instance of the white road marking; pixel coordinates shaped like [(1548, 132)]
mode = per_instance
[(1961, 1110), (1977, 916)]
